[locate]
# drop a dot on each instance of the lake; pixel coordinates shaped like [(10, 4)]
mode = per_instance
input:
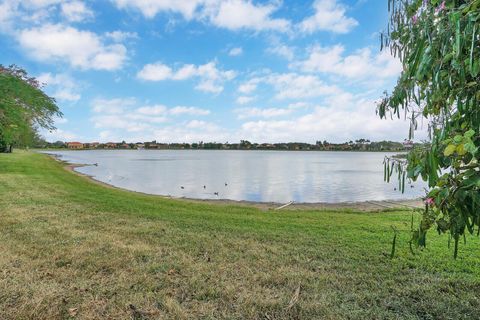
[(261, 176)]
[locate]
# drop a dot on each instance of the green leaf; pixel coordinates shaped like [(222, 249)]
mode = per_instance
[(469, 134), (449, 150)]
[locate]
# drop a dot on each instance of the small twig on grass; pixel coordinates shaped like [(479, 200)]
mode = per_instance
[(294, 299)]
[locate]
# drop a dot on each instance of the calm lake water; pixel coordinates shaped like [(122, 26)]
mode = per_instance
[(262, 176)]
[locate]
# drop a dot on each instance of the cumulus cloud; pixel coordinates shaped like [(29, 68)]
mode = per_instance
[(244, 99), (125, 113), (234, 52), (244, 113), (211, 79), (59, 135), (249, 86), (120, 36), (340, 118), (329, 15), (193, 131), (229, 14), (14, 13), (150, 8), (155, 72), (63, 86), (291, 86), (80, 49), (362, 64), (194, 111), (244, 14), (283, 51), (76, 11), (7, 12)]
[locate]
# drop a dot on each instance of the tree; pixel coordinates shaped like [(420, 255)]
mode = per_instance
[(439, 46), (24, 108)]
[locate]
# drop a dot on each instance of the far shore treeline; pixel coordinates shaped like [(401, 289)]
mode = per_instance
[(357, 145)]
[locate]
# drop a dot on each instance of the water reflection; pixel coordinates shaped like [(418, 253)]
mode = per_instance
[(264, 176)]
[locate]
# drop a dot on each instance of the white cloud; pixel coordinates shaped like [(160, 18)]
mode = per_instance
[(329, 16), (194, 111), (244, 99), (126, 115), (155, 72), (40, 3), (229, 14), (76, 11), (81, 49), (234, 52), (244, 14), (8, 10), (291, 86), (120, 36), (339, 119), (59, 135), (192, 131), (211, 79), (153, 110), (244, 113), (64, 88), (283, 51), (249, 86), (362, 64), (179, 110), (150, 8)]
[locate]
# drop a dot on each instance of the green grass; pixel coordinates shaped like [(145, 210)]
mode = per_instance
[(71, 248)]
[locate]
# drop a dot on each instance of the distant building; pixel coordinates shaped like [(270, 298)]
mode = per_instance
[(408, 144), (75, 145), (94, 145), (110, 145)]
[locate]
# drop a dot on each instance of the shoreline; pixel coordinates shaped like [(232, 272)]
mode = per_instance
[(179, 149), (370, 205)]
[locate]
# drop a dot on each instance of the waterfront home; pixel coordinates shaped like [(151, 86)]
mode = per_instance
[(75, 145), (110, 145)]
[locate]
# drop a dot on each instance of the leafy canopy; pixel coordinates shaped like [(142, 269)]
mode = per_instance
[(24, 107), (438, 43)]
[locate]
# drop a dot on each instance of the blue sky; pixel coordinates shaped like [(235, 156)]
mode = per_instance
[(206, 70)]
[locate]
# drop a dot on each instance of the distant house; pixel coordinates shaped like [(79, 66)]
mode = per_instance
[(94, 145), (110, 145), (75, 145), (408, 144)]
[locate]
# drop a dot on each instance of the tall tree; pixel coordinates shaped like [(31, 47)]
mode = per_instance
[(24, 108), (438, 44)]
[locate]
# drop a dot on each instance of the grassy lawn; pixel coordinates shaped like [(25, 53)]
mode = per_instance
[(70, 248)]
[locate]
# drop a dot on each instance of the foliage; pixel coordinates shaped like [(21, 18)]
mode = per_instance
[(24, 107), (439, 47)]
